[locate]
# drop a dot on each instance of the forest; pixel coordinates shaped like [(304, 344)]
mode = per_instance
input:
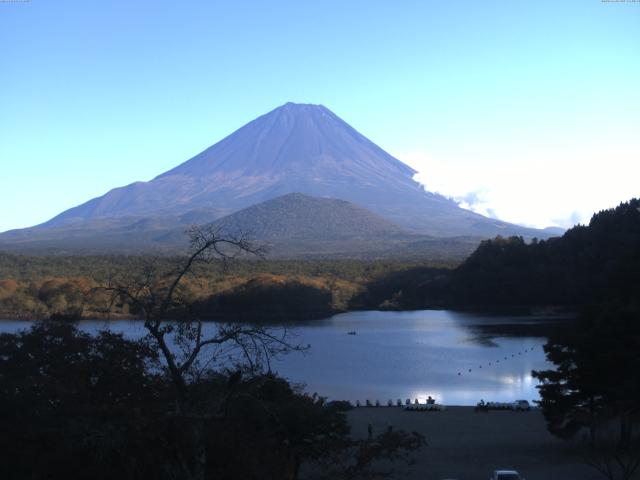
[(588, 264), (36, 287)]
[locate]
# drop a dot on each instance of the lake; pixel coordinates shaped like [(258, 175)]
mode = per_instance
[(445, 354)]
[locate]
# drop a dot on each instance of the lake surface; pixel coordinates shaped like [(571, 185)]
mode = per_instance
[(403, 355)]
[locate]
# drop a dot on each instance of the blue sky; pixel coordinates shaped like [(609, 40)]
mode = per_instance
[(528, 111)]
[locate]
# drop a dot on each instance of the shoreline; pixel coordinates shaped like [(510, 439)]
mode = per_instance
[(550, 316)]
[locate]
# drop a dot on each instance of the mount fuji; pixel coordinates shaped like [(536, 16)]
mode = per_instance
[(295, 148)]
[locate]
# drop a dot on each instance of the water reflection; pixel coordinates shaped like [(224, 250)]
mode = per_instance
[(442, 354), (456, 358)]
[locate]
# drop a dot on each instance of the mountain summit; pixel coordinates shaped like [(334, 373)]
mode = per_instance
[(294, 148), (301, 142)]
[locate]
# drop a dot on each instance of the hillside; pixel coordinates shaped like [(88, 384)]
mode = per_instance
[(589, 264), (297, 216), (299, 226), (130, 235), (293, 226)]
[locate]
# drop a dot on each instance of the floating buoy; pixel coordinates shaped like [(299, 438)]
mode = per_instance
[(469, 369)]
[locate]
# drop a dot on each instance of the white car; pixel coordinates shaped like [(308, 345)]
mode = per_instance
[(505, 475), (521, 405)]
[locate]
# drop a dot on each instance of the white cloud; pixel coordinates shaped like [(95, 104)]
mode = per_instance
[(531, 188)]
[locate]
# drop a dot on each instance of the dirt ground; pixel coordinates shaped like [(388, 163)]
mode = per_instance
[(465, 445)]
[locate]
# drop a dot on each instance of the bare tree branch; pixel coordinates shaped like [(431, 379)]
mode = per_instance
[(153, 295)]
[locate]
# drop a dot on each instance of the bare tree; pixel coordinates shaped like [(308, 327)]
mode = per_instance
[(181, 339), (186, 345)]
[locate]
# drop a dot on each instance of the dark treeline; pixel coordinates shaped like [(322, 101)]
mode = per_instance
[(587, 265)]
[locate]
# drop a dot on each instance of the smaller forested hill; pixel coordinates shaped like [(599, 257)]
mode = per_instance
[(301, 216), (588, 264), (298, 226)]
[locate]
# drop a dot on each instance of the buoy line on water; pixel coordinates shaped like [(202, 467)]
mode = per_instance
[(506, 358)]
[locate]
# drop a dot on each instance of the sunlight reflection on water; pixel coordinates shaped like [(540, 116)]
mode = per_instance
[(400, 355), (414, 355)]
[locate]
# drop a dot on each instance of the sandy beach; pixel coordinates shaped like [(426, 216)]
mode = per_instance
[(465, 445)]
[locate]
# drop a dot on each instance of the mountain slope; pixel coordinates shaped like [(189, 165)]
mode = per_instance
[(293, 226), (294, 148)]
